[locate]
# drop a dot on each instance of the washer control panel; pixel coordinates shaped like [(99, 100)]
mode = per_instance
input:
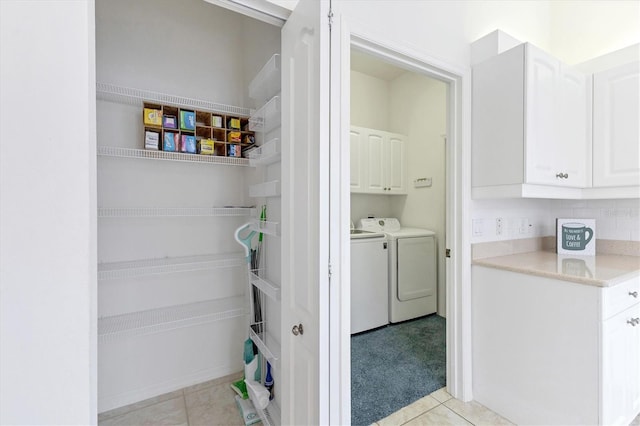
[(379, 224)]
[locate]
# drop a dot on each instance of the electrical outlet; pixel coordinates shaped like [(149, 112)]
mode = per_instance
[(523, 226), (499, 226)]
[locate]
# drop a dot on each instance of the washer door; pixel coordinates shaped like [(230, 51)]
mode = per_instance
[(417, 275)]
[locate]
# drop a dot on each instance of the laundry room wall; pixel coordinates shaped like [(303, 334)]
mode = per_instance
[(419, 110), (369, 108)]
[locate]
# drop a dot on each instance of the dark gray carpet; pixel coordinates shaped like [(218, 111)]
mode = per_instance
[(393, 366)]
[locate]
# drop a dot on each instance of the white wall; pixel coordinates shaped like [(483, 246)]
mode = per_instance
[(369, 108), (47, 213), (369, 101), (581, 30), (615, 219), (444, 29), (193, 49)]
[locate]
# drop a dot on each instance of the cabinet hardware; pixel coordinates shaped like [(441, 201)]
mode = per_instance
[(633, 321), (297, 329), (633, 293), (562, 175)]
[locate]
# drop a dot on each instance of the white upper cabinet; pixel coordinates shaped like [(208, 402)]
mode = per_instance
[(531, 122), (357, 160), (378, 162), (616, 136)]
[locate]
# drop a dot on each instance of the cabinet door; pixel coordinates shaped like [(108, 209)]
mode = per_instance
[(358, 159), (616, 138), (376, 157), (541, 130), (557, 122), (573, 143), (395, 168), (621, 367)]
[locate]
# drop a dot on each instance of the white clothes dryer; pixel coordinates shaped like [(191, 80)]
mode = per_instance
[(413, 274)]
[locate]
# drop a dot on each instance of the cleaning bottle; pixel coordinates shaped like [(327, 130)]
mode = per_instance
[(268, 382)]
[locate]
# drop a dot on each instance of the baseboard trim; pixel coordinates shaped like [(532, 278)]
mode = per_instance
[(110, 402)]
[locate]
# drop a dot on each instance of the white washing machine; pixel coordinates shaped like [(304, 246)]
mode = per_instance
[(369, 288), (413, 274)]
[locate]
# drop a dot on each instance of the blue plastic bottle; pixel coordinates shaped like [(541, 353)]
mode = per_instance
[(268, 382)]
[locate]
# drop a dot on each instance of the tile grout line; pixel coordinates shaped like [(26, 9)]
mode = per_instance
[(186, 410), (424, 412), (459, 414)]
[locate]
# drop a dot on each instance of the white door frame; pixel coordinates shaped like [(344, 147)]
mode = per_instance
[(458, 271)]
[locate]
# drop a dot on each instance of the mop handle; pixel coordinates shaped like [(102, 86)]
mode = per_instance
[(246, 241)]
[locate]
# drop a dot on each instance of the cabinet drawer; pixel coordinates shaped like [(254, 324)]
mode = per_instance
[(620, 297)]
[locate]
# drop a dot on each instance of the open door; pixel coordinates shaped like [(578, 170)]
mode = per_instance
[(305, 214)]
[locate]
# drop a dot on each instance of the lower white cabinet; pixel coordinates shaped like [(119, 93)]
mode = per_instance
[(621, 367), (616, 134), (378, 162), (547, 351)]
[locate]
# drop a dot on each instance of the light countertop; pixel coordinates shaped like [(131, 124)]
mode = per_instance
[(602, 270)]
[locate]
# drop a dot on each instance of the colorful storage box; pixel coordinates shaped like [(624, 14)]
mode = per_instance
[(152, 117), (206, 147), (169, 122), (151, 140), (188, 144), (171, 141), (216, 121), (234, 137), (187, 120), (234, 150), (233, 123)]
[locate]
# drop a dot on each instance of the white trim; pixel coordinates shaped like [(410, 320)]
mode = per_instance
[(340, 243), (554, 192), (459, 374), (261, 10)]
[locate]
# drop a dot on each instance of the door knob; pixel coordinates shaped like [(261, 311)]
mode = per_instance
[(297, 329)]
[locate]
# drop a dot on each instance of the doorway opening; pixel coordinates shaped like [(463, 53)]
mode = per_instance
[(399, 118)]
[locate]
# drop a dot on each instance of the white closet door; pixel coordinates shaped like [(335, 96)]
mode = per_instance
[(416, 268), (305, 223)]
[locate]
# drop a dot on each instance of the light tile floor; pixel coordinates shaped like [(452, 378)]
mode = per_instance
[(212, 403), (439, 408)]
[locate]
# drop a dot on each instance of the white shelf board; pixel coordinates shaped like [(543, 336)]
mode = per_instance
[(267, 287), (266, 83), (265, 189), (117, 212), (268, 153), (169, 318), (147, 154), (266, 118), (265, 227), (168, 265), (136, 97), (265, 347)]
